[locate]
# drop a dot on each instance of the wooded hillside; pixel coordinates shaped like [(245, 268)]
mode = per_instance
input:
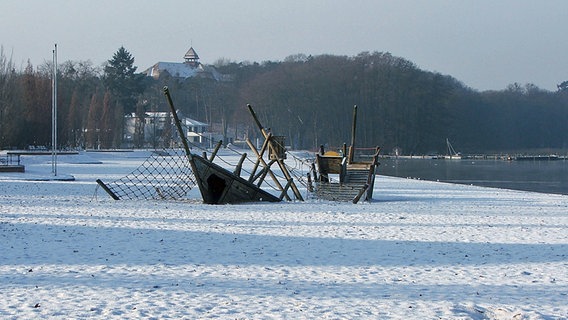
[(400, 106)]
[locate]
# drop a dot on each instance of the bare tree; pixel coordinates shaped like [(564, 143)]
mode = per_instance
[(7, 73)]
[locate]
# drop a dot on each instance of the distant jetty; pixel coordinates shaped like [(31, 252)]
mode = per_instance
[(551, 157)]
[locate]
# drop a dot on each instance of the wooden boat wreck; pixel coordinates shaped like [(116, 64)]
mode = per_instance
[(218, 185), (340, 177)]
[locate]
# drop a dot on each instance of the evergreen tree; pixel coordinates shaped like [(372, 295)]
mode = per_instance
[(122, 81)]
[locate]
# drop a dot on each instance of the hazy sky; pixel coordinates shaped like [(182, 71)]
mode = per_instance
[(486, 44)]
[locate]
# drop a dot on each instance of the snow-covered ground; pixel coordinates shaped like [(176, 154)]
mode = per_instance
[(421, 250)]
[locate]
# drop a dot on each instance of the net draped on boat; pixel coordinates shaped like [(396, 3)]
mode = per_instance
[(166, 175)]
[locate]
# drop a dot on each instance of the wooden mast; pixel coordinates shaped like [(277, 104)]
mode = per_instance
[(178, 123), (353, 132)]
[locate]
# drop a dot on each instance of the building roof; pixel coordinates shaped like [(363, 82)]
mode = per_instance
[(182, 70), (163, 114), (193, 123), (175, 69), (188, 69)]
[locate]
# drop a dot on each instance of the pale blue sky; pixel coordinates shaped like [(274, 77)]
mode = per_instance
[(486, 44)]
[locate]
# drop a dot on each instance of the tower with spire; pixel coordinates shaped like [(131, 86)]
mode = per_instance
[(191, 57)]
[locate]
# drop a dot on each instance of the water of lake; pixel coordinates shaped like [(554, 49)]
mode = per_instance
[(538, 176)]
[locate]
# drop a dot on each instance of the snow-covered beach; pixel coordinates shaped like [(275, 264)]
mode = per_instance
[(420, 250)]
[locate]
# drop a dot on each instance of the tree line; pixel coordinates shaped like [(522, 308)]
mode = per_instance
[(91, 102), (308, 99)]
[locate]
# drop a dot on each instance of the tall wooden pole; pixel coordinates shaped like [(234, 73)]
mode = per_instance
[(353, 132), (178, 123)]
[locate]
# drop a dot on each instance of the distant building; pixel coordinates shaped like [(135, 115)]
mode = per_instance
[(190, 68), (196, 130), (157, 129)]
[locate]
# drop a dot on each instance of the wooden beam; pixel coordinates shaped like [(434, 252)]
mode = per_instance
[(261, 160), (214, 153), (240, 164), (280, 162)]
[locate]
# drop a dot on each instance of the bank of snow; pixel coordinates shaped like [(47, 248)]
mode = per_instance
[(421, 250)]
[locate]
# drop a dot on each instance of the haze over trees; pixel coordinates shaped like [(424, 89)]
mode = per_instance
[(309, 99)]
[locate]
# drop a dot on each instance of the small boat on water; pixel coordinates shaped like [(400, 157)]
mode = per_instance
[(452, 154)]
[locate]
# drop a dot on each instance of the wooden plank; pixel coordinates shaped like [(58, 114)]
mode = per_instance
[(328, 164), (337, 192)]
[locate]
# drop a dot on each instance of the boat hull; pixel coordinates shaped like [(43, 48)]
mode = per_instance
[(220, 186)]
